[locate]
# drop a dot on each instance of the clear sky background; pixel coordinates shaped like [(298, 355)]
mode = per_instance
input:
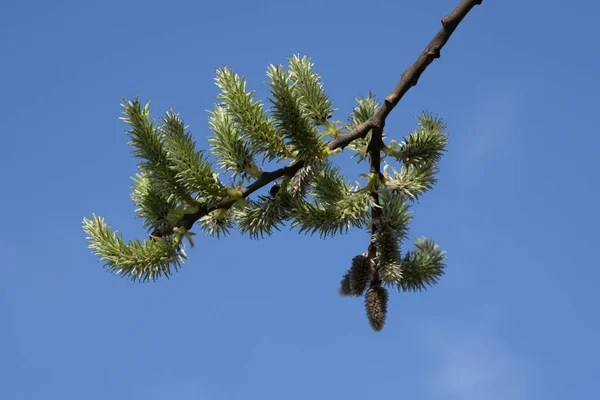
[(516, 207)]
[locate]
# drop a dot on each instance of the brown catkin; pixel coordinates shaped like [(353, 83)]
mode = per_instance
[(345, 289), (360, 274), (376, 304)]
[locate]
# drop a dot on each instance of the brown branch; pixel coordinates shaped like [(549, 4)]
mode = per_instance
[(374, 148), (408, 79), (188, 220)]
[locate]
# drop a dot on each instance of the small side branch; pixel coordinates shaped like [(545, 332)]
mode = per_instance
[(188, 220), (375, 146)]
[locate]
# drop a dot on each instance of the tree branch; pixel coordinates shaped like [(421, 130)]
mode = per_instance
[(375, 146), (408, 79)]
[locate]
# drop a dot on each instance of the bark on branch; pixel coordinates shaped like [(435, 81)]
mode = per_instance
[(408, 79)]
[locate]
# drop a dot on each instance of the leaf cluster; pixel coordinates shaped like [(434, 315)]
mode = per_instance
[(143, 261), (337, 207), (176, 181)]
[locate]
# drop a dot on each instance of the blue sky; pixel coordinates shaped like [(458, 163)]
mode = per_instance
[(515, 208)]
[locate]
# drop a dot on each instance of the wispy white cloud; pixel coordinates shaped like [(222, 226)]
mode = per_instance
[(474, 364), (480, 368)]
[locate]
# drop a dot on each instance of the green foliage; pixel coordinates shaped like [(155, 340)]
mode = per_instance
[(149, 145), (388, 252), (337, 208), (217, 223), (412, 180), (232, 152), (329, 185), (329, 220), (153, 205), (391, 230), (249, 115), (153, 259), (176, 171), (395, 213), (365, 108), (423, 146), (289, 108), (260, 218), (178, 184), (193, 172), (422, 267), (308, 88), (420, 154), (300, 182)]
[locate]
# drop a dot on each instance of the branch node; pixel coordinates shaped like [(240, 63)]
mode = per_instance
[(433, 53)]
